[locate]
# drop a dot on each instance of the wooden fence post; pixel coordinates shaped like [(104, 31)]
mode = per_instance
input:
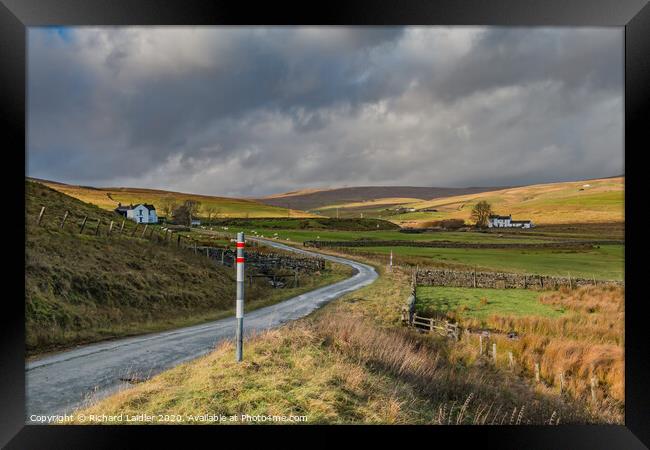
[(40, 215), (593, 383), (65, 216), (223, 252), (494, 353), (511, 360), (99, 222), (110, 228), (480, 344), (83, 224), (474, 276), (145, 230), (122, 226), (195, 247), (561, 382), (178, 241), (537, 372)]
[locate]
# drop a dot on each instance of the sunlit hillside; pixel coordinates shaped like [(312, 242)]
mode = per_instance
[(587, 201), (108, 198)]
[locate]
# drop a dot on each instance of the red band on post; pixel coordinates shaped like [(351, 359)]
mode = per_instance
[(240, 245), (240, 260)]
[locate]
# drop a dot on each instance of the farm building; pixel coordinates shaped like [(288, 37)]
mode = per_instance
[(496, 221), (142, 213)]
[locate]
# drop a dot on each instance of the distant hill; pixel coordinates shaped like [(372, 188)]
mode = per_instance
[(108, 198), (315, 199), (583, 201)]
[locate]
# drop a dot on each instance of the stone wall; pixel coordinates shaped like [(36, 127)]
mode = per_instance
[(502, 280), (266, 260)]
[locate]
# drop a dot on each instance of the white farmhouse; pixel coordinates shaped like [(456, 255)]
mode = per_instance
[(142, 213), (496, 221)]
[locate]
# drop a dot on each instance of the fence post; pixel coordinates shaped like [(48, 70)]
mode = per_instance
[(99, 222), (475, 277), (65, 216), (561, 382), (145, 230), (122, 226), (83, 224), (480, 344), (494, 353), (223, 252), (40, 215), (593, 383), (195, 247), (178, 241), (537, 372), (110, 228), (511, 360)]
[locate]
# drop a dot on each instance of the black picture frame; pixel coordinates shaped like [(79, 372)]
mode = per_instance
[(634, 15)]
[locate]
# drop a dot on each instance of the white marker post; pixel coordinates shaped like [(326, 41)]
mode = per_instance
[(239, 334), (391, 261)]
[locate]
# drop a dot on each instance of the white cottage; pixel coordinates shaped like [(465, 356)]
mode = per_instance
[(496, 221), (142, 213)]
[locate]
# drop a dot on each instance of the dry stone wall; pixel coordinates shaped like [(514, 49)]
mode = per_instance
[(502, 280)]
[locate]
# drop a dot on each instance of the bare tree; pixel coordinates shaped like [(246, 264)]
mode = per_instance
[(193, 207), (210, 210), (183, 213), (481, 213), (167, 206)]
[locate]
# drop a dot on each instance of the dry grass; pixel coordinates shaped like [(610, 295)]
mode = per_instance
[(340, 369), (586, 341), (552, 203)]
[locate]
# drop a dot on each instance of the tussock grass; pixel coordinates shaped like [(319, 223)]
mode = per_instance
[(337, 370)]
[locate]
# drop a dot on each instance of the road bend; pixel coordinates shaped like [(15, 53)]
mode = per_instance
[(62, 382)]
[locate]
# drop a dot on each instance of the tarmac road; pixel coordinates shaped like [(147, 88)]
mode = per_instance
[(60, 383)]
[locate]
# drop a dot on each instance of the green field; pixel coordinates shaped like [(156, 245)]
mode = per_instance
[(481, 303), (327, 235), (604, 263)]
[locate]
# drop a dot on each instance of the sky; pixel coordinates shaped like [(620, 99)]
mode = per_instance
[(251, 111)]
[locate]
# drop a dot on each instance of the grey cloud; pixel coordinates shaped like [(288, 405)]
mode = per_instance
[(249, 111)]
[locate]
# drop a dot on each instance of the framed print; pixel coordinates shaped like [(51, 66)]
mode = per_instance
[(414, 219)]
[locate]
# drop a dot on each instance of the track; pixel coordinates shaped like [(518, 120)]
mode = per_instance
[(60, 383)]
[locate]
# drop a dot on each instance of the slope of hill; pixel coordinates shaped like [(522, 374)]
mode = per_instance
[(307, 200), (108, 197), (85, 287), (587, 201)]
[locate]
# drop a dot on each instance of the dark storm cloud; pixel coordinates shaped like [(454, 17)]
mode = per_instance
[(249, 111)]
